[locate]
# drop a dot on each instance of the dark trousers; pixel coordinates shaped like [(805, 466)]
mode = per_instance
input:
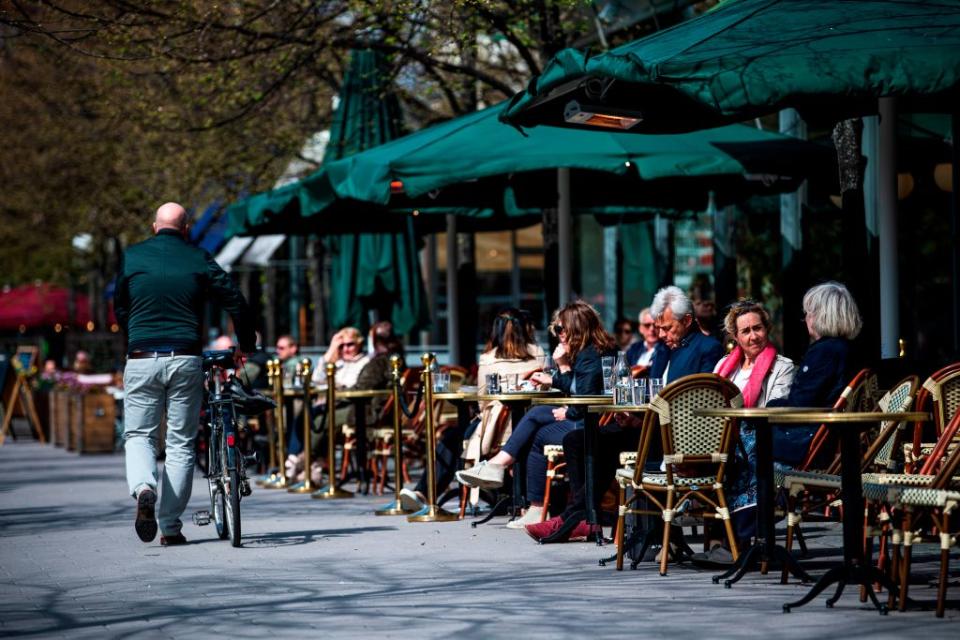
[(611, 440), (537, 429)]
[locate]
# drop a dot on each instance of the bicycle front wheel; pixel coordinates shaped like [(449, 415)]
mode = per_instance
[(218, 502), (233, 507)]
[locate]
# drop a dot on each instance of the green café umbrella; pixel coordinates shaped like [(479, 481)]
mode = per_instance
[(476, 154), (748, 57), (371, 270)]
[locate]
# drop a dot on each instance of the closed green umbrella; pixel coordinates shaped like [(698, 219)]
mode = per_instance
[(748, 57), (378, 271)]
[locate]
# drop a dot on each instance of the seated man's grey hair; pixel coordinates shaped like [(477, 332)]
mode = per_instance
[(673, 298)]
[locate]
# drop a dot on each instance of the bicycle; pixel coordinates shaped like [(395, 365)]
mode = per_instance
[(226, 471)]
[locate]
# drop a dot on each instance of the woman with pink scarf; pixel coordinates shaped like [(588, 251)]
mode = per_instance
[(761, 374)]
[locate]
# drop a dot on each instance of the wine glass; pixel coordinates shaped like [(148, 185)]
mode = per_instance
[(549, 366)]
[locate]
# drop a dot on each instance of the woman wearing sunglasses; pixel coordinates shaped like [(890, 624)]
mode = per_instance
[(582, 343)]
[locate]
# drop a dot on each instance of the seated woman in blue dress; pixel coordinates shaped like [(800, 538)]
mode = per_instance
[(582, 343)]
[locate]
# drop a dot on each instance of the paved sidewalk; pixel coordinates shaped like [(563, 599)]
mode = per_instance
[(71, 566)]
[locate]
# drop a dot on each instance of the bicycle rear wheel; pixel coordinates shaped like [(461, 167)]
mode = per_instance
[(233, 507)]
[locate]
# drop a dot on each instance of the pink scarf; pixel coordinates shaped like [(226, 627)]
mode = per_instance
[(761, 367)]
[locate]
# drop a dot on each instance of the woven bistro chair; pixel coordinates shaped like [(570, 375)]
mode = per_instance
[(940, 395), (811, 490), (695, 453), (922, 506)]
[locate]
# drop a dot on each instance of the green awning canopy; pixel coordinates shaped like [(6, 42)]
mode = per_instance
[(827, 58), (477, 158)]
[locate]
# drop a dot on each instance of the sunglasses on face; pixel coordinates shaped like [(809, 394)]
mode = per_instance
[(559, 328)]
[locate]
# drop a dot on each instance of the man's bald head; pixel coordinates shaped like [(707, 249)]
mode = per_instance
[(171, 216)]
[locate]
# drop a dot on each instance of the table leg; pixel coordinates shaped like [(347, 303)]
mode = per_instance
[(360, 447), (590, 426), (853, 571), (765, 546)]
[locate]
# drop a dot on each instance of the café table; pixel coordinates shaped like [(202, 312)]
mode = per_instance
[(849, 425), (517, 402), (603, 409), (591, 422), (854, 569), (359, 399)]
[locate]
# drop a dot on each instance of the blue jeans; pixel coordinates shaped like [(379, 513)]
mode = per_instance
[(154, 387), (536, 429)]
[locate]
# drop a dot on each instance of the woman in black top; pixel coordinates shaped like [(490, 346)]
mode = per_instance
[(833, 320), (582, 342)]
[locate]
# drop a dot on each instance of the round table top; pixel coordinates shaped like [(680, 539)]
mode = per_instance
[(856, 417), (576, 400), (519, 396), (617, 408), (455, 395), (758, 412), (354, 394)]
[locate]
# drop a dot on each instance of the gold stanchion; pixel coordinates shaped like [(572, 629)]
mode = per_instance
[(430, 513), (331, 491), (280, 477), (307, 485), (395, 508), (271, 435)]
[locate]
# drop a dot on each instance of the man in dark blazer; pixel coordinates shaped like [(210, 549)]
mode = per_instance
[(688, 349)]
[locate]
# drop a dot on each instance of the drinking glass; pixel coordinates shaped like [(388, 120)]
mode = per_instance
[(639, 392), (655, 386), (549, 366), (508, 381), (606, 362), (493, 383), (441, 382)]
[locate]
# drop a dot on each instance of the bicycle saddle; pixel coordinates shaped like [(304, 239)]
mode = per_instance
[(222, 359)]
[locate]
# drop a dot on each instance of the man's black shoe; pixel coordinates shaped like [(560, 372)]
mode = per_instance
[(146, 522), (172, 541)]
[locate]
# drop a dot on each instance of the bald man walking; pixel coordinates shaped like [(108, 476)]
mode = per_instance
[(161, 291)]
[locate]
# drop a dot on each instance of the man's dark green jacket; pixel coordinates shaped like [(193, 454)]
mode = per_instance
[(161, 291)]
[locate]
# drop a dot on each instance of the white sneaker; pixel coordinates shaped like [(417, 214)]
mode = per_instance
[(410, 501), (532, 516), (485, 475)]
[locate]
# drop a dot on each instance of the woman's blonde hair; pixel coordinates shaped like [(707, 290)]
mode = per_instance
[(834, 311)]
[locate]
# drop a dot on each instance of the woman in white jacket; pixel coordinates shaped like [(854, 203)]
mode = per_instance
[(761, 374)]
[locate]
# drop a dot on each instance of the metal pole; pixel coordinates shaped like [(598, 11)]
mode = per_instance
[(307, 485), (955, 229), (332, 491), (395, 508), (271, 434), (612, 303), (432, 513), (453, 293), (564, 224), (887, 230), (280, 482)]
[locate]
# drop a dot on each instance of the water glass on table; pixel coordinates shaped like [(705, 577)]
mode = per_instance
[(441, 382), (639, 391), (654, 386), (606, 363), (509, 382), (493, 383)]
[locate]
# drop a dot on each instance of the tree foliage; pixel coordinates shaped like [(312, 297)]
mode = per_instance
[(112, 107)]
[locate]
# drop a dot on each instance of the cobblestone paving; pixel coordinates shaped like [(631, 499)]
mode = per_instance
[(71, 566)]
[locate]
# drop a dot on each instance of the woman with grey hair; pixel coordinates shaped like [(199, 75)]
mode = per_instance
[(832, 320)]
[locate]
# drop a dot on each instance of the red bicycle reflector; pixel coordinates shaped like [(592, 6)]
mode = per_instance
[(396, 186), (231, 440)]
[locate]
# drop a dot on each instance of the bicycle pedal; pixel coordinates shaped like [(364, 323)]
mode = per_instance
[(245, 489), (201, 518), (251, 459)]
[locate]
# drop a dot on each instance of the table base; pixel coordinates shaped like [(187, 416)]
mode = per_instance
[(758, 552), (849, 575)]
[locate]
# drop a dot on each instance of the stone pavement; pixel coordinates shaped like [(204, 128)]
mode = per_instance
[(71, 566)]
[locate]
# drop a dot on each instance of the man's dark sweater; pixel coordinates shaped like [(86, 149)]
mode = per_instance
[(696, 353), (162, 288)]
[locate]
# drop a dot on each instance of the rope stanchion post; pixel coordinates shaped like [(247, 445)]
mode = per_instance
[(430, 513), (280, 479), (272, 470), (332, 491), (395, 508), (307, 485)]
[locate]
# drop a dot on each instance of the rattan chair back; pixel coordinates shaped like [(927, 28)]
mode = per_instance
[(880, 455), (860, 394)]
